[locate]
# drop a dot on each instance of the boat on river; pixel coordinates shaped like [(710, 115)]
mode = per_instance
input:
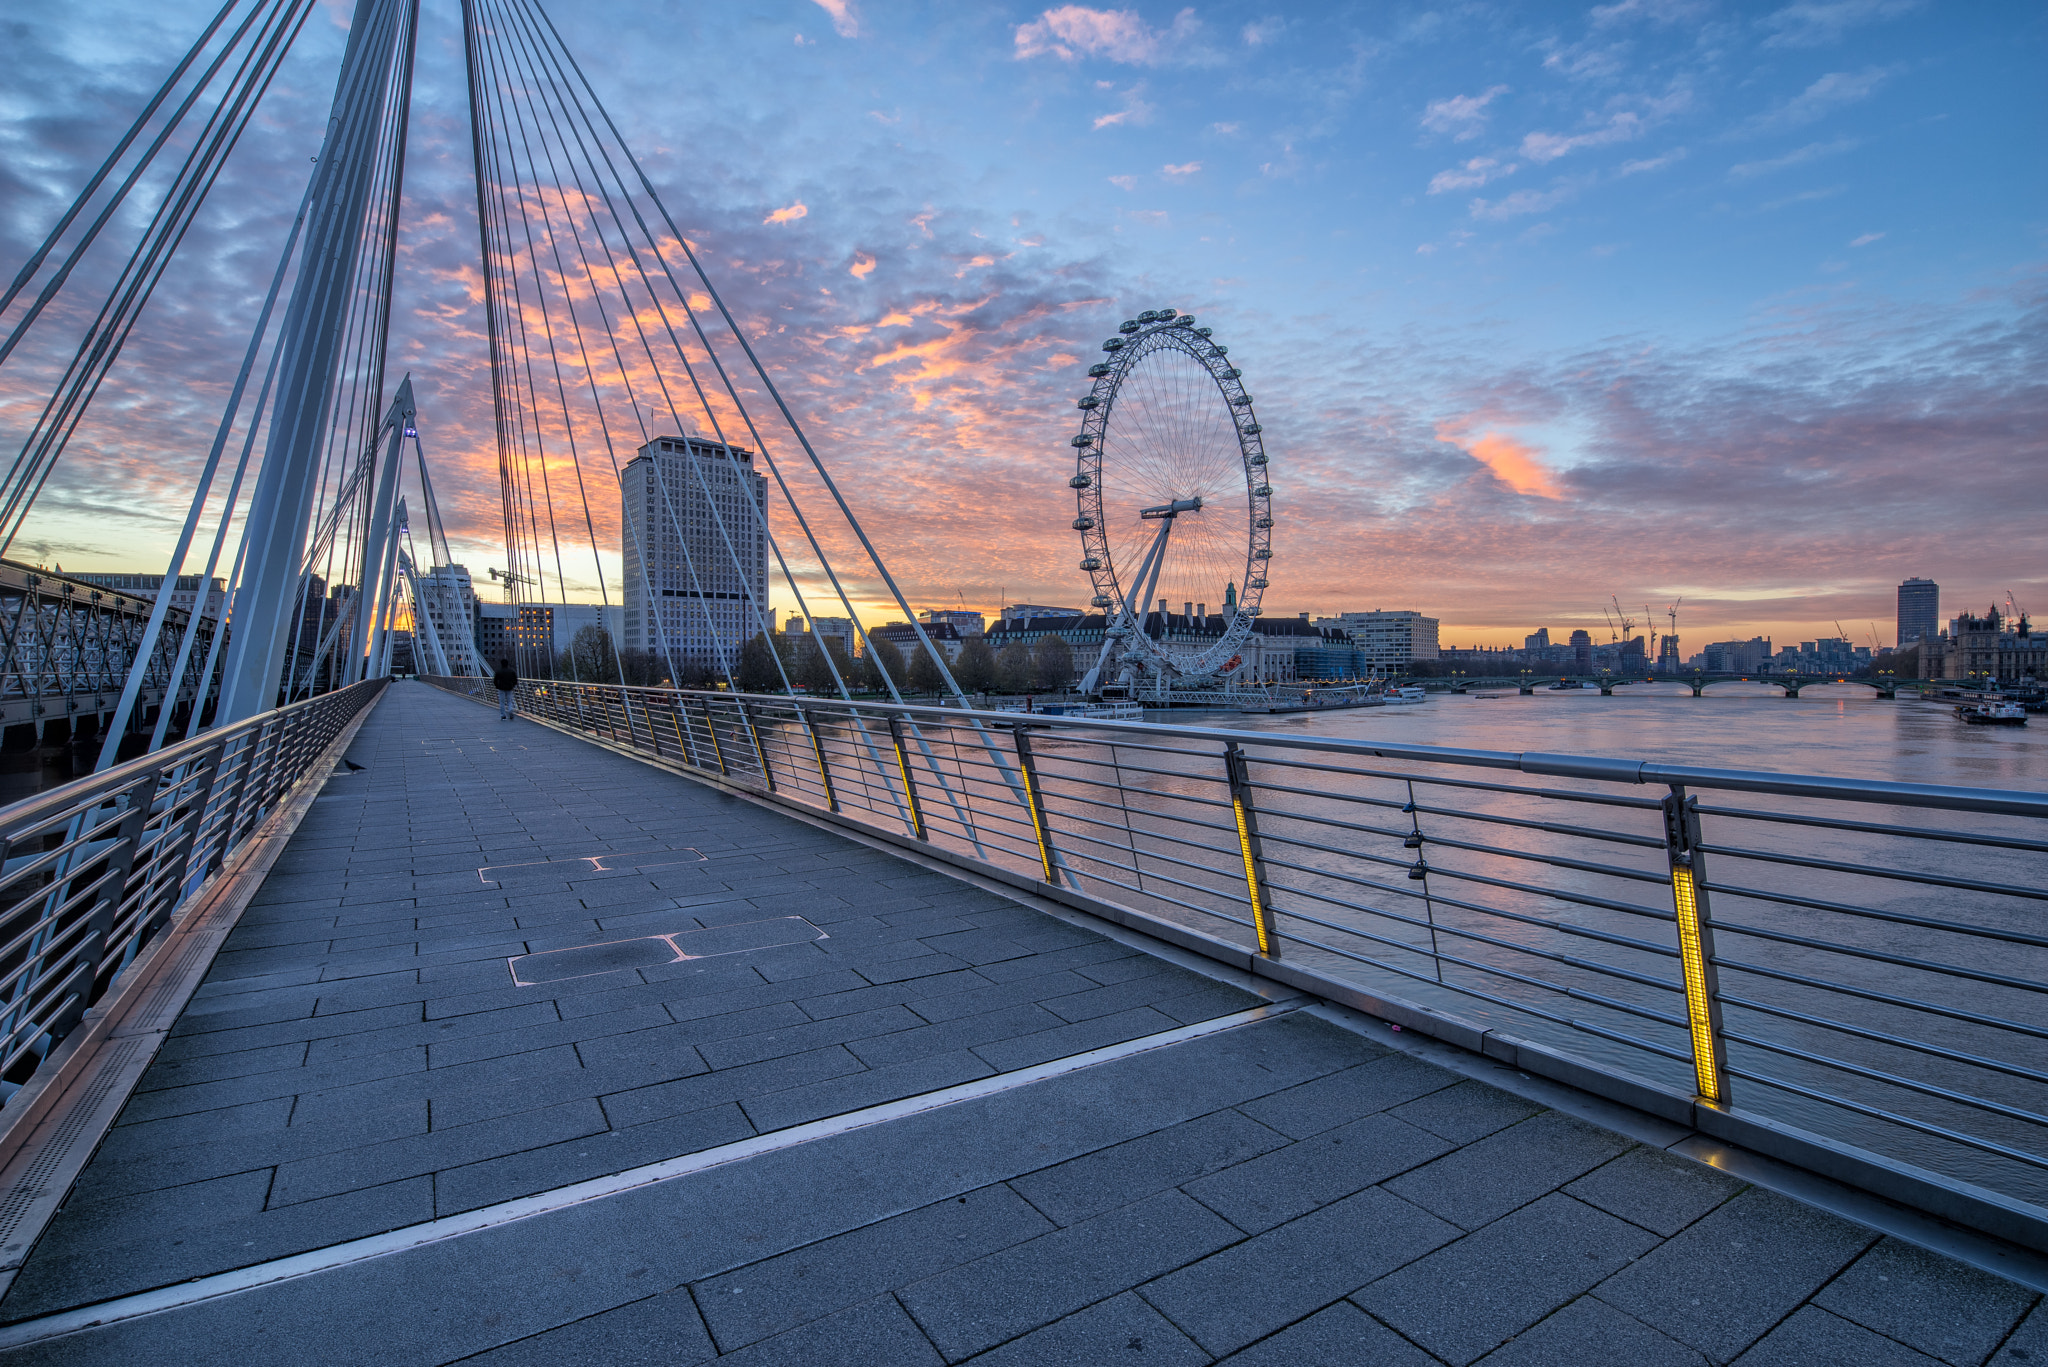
[(1992, 712)]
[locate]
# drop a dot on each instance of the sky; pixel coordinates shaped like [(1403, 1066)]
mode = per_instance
[(1543, 305)]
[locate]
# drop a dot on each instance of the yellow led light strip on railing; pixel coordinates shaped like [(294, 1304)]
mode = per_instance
[(1251, 874), (1031, 798), (1699, 1020), (909, 788)]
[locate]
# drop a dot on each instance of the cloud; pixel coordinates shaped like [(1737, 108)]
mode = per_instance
[(1124, 182), (1225, 129), (1072, 32), (1803, 197), (1816, 23), (1511, 462), (1831, 92), (787, 215), (1656, 11), (863, 266), (1798, 156), (1185, 169), (845, 18), (1636, 168), (1471, 175), (1461, 116), (1136, 110), (1525, 202), (1621, 126), (1263, 31), (1866, 239)]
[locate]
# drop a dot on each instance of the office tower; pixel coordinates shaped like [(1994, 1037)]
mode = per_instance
[(1919, 610), (696, 511)]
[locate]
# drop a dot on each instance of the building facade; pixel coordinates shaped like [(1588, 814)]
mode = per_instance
[(943, 635), (1391, 641), (1990, 651), (695, 550), (448, 601), (835, 629), (1736, 657), (545, 630), (962, 621), (1919, 611)]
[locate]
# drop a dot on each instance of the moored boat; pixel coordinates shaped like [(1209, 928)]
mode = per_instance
[(1993, 713)]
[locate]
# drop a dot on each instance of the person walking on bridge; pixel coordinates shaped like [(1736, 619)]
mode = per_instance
[(507, 683)]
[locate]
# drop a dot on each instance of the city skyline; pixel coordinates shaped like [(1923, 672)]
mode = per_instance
[(1738, 304)]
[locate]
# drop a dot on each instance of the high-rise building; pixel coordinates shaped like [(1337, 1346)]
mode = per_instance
[(449, 604), (696, 511), (1582, 651), (1919, 610), (1539, 641)]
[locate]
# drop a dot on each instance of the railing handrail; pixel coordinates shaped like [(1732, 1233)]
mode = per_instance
[(29, 809), (1993, 801)]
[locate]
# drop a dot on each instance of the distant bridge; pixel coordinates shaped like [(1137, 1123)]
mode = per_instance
[(1790, 684), (66, 647)]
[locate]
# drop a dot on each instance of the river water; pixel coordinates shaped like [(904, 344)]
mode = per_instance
[(1837, 729)]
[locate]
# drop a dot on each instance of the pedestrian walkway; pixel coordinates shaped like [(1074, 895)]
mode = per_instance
[(530, 1053)]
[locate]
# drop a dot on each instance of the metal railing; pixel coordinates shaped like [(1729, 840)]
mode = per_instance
[(95, 869), (1849, 974)]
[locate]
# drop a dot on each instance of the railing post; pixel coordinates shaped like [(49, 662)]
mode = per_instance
[(909, 786), (679, 722), (1028, 767), (717, 750), (85, 984), (1695, 945), (760, 750), (818, 750), (180, 855), (1248, 845)]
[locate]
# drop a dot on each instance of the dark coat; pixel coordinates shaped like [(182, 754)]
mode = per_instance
[(504, 680)]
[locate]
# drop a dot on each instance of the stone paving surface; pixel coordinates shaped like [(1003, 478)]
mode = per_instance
[(1289, 1192)]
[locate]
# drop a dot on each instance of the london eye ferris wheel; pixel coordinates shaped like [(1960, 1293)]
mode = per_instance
[(1173, 504)]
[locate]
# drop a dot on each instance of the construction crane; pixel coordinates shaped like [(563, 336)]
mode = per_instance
[(1628, 623)]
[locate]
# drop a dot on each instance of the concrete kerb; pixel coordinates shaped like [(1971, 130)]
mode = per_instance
[(1920, 1207)]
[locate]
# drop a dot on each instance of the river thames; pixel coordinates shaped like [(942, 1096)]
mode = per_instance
[(1835, 729)]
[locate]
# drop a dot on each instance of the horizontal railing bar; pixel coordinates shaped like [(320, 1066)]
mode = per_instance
[(1725, 926), (1863, 871), (1890, 1079), (1599, 768), (1522, 918), (1880, 1037), (1474, 785), (1492, 819), (1954, 1013), (1879, 914), (1480, 937), (1508, 1003), (1892, 1117), (1876, 828)]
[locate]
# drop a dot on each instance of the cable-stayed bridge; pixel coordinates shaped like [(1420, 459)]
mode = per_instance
[(354, 1023)]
